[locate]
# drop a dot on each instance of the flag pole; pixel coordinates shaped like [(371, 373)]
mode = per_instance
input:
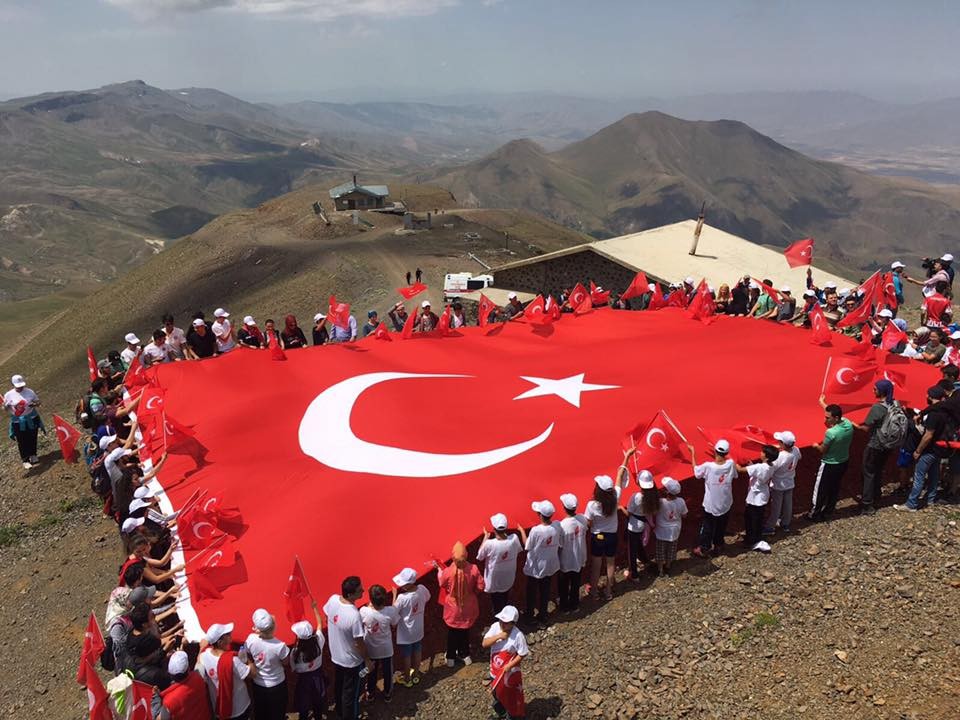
[(296, 559), (675, 428), (826, 374), (216, 542)]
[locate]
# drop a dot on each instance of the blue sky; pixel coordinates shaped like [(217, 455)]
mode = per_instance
[(364, 49)]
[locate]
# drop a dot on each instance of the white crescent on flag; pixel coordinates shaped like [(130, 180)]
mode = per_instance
[(840, 373), (654, 432)]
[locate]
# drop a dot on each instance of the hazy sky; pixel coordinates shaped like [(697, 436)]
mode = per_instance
[(292, 49)]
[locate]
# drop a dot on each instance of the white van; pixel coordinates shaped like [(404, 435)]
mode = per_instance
[(458, 284)]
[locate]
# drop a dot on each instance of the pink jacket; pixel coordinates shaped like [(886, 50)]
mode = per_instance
[(460, 616)]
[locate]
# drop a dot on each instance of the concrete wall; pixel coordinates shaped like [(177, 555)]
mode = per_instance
[(564, 272)]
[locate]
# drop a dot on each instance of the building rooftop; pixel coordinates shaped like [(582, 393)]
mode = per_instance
[(348, 187), (663, 254)]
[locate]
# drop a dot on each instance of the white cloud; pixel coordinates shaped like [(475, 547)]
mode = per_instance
[(319, 10)]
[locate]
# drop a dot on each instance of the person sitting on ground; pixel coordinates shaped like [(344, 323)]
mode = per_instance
[(934, 350), (201, 342), (379, 618), (398, 316), (153, 568), (156, 351), (370, 326), (718, 476), (668, 520), (513, 307), (291, 334), (508, 647), (186, 696), (765, 307), (499, 555), (269, 656), (831, 309), (850, 305), (306, 661), (740, 297), (226, 674), (320, 333), (249, 334), (223, 331), (460, 585), (106, 371), (21, 403)]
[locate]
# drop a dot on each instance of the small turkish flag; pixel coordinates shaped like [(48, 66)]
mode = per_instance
[(889, 291), (584, 306), (140, 701), (381, 333), (899, 379), (151, 403), (536, 311), (339, 313), (220, 569), (859, 315), (552, 308), (892, 336), (92, 364), (485, 307), (443, 323), (197, 528), (768, 289), (872, 290), (577, 296), (135, 375), (702, 307), (656, 300), (865, 347), (846, 375), (599, 295), (68, 437), (276, 352), (411, 291), (657, 444), (407, 331), (820, 333), (93, 647), (97, 697), (638, 286), (799, 253), (677, 299), (745, 445), (297, 591)]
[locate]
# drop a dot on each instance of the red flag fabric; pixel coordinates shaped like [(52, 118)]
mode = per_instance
[(858, 316), (276, 351), (657, 444), (338, 313), (68, 437), (553, 309), (638, 286), (934, 307), (799, 253), (897, 377), (872, 290), (745, 446), (197, 528), (892, 336), (219, 571), (443, 323), (381, 333), (702, 307), (92, 364), (408, 324), (656, 300), (411, 291), (820, 333), (140, 701), (341, 421), (677, 299), (507, 686), (97, 698), (485, 307), (768, 289), (577, 296), (151, 404), (889, 291), (296, 593), (865, 348), (584, 306), (847, 375), (93, 647), (598, 295), (135, 375), (536, 311)]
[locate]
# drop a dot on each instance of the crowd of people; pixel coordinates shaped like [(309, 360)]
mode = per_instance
[(562, 560)]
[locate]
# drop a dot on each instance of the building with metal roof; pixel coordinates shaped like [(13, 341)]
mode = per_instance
[(351, 196)]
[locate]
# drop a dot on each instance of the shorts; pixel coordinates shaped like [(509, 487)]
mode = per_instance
[(410, 648), (666, 551), (904, 458), (603, 544)]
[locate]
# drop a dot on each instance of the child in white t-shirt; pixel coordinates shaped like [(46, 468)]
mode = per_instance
[(378, 620), (410, 602), (668, 521), (543, 561), (269, 655), (499, 555), (782, 483), (306, 661), (573, 554), (718, 477), (758, 495), (641, 507)]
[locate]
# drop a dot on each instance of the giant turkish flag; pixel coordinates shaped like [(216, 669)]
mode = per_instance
[(369, 457)]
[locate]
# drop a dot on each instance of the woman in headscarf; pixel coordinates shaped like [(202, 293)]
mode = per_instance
[(460, 584), (291, 334)]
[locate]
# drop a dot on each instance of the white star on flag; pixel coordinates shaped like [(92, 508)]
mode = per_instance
[(568, 389)]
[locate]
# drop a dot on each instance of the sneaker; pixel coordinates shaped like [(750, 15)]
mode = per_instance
[(762, 546), (451, 662), (27, 466), (904, 507), (468, 660)]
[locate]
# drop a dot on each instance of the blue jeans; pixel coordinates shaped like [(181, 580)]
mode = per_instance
[(926, 469)]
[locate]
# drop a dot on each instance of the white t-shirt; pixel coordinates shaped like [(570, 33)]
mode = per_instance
[(543, 550), (573, 552), (634, 505), (758, 491), (154, 353), (377, 630), (17, 402), (669, 518), (241, 698), (410, 607), (717, 485), (500, 562), (515, 642), (110, 462), (268, 656), (343, 630), (220, 328), (176, 342), (298, 666), (127, 355), (600, 523), (785, 469)]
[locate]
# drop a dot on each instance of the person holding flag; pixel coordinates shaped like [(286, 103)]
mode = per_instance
[(185, 698), (508, 647), (835, 456), (306, 661), (718, 476), (22, 403), (226, 673)]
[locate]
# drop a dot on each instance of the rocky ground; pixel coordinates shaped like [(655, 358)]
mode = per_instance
[(857, 618)]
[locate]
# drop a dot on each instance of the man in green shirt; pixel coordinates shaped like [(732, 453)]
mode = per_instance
[(835, 456), (765, 308)]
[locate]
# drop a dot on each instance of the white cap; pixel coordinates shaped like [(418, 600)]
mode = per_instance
[(844, 291), (896, 264), (887, 313), (131, 524), (220, 312), (569, 501), (317, 318), (830, 284), (722, 446), (645, 480), (512, 296), (604, 482), (688, 280), (248, 320), (947, 257), (784, 288), (303, 630), (407, 576), (544, 507), (671, 486), (508, 614), (178, 663), (754, 286), (425, 304), (131, 339), (955, 335), (136, 504), (144, 492), (652, 286), (498, 521), (198, 323), (106, 440), (785, 436), (809, 293), (262, 620), (216, 631), (18, 382)]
